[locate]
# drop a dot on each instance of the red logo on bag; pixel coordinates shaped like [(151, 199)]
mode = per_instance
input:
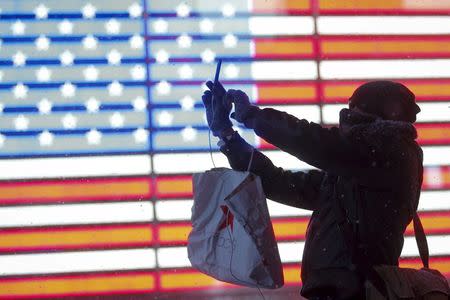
[(228, 218)]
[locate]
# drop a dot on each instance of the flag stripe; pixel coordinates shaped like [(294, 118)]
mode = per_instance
[(181, 186), (384, 47), (46, 191), (78, 285), (75, 262), (280, 6), (285, 93), (284, 48), (73, 214), (75, 167), (384, 6), (425, 90), (72, 238), (290, 229)]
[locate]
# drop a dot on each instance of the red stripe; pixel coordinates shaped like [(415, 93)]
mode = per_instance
[(384, 12)]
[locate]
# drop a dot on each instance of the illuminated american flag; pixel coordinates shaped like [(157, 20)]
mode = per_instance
[(102, 125)]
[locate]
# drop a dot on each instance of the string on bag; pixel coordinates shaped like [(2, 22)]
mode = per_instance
[(228, 211)]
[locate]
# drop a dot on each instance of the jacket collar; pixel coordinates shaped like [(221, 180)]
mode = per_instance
[(373, 130)]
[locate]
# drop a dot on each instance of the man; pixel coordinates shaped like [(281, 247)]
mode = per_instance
[(370, 166)]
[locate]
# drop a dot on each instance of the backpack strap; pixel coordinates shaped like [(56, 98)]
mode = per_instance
[(421, 241)]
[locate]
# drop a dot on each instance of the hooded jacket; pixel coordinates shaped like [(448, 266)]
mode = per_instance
[(372, 166)]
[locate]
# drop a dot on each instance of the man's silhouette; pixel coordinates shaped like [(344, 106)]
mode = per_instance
[(370, 165)]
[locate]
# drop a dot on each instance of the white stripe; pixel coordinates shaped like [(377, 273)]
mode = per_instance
[(180, 210), (173, 257), (82, 261), (434, 200), (434, 112), (436, 156), (174, 210), (293, 251), (281, 210), (330, 113), (384, 25), (377, 69), (42, 215), (75, 167), (430, 112), (278, 25), (437, 244), (289, 70), (200, 162)]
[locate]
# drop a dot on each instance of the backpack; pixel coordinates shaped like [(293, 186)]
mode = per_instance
[(392, 282)]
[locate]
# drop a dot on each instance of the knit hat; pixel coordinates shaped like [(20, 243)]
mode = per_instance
[(386, 99)]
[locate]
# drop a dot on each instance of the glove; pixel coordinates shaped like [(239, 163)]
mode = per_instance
[(217, 109), (242, 106)]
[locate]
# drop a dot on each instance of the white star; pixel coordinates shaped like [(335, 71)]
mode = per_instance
[(20, 91), (136, 42), (46, 138), (112, 26), (231, 71), (69, 121), (42, 43), (68, 90), (164, 118), (66, 58), (91, 73), (2, 106), (116, 120), (187, 103), (163, 88), (185, 72), (19, 59), (114, 57), (135, 10), (41, 11), (1, 76), (88, 11), (21, 123), (189, 134), (43, 74), (140, 135), (18, 28), (65, 27), (92, 105), (160, 26), (230, 40), (44, 106), (228, 10), (162, 56), (2, 140), (184, 41), (94, 137), (183, 10), (138, 72), (115, 89), (208, 56), (206, 26), (139, 104), (90, 42)]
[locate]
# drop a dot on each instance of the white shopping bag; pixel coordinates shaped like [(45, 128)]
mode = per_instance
[(232, 237)]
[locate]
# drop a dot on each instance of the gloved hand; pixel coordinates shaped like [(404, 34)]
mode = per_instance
[(242, 105), (217, 109)]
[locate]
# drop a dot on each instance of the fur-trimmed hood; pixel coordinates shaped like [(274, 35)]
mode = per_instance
[(372, 131)]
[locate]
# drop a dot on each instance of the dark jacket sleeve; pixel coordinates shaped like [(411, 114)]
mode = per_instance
[(298, 189), (324, 148)]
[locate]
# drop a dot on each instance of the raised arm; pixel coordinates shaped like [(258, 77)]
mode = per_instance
[(324, 148), (298, 189)]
